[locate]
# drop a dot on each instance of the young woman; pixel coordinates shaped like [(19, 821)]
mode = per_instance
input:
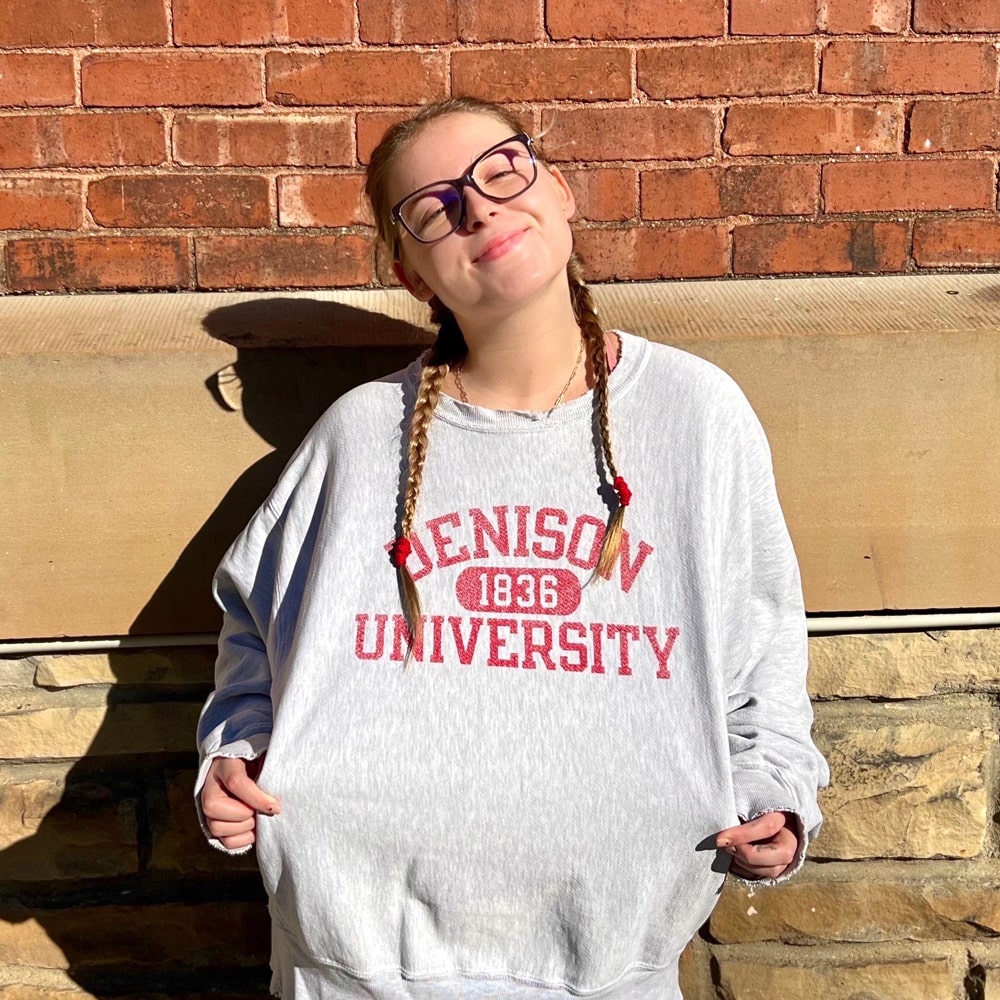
[(520, 629)]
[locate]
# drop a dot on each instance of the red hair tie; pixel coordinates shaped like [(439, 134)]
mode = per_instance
[(399, 551), (621, 488)]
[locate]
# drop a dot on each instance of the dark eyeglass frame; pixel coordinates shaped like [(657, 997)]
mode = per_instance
[(466, 180)]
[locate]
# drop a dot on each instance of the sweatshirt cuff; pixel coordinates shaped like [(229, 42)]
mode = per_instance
[(758, 793), (247, 749)]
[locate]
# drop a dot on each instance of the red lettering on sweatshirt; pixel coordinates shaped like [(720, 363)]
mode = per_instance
[(497, 532), (558, 538), (568, 646), (662, 652), (626, 634), (441, 540), (595, 630), (542, 647), (360, 631), (499, 656), (465, 648), (522, 514), (630, 570), (588, 560)]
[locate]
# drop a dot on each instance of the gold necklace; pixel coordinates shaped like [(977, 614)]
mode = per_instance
[(457, 372)]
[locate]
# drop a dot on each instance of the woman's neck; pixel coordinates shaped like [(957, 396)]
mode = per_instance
[(522, 361)]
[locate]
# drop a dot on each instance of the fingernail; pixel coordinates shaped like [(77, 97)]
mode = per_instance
[(730, 850)]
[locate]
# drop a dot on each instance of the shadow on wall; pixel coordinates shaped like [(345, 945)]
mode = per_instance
[(116, 884)]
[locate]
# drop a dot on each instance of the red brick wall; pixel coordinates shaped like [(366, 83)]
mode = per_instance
[(187, 144)]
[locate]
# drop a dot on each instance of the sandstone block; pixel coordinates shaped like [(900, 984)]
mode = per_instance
[(928, 979), (906, 782), (904, 664), (60, 729), (865, 902), (54, 825), (180, 666), (178, 843), (174, 935)]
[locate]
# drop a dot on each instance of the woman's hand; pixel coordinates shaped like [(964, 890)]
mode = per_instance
[(231, 800), (764, 847)]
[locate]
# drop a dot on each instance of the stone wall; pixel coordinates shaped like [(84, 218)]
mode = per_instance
[(108, 888)]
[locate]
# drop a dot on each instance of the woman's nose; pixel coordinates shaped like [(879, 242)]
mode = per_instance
[(478, 208)]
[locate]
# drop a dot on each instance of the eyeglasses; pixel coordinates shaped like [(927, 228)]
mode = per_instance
[(503, 172)]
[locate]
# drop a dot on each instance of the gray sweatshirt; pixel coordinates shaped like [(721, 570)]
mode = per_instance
[(527, 808)]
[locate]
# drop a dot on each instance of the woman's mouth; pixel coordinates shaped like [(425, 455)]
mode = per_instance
[(499, 246)]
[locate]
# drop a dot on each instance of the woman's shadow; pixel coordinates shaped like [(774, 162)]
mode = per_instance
[(117, 874)]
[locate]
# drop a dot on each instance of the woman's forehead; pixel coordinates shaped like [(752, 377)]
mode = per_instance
[(443, 149)]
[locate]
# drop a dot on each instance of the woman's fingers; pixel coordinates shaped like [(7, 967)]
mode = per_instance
[(761, 848)]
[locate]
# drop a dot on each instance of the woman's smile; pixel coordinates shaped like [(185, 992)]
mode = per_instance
[(500, 246)]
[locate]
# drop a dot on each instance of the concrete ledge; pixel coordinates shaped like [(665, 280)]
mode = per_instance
[(140, 431)]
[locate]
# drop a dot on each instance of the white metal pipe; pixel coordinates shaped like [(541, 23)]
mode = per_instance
[(927, 621)]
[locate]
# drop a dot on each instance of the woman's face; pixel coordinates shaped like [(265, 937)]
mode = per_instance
[(503, 254)]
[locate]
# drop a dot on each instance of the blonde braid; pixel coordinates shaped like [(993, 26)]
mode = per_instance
[(593, 335), (429, 392)]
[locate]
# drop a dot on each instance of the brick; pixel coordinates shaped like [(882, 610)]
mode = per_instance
[(956, 15), (258, 140), (909, 664), (41, 203), (171, 666), (323, 200), (165, 935), (812, 129), (285, 261), (82, 140), (912, 185), (643, 253), (716, 192), (407, 22), (907, 781), (772, 17), (925, 977), (745, 69), (605, 194), (954, 125), (98, 263), (262, 22), (957, 243), (583, 74), (178, 843), (171, 79), (43, 23), (820, 248), (355, 78), (179, 200), (372, 126), (898, 67), (863, 17), (58, 824), (865, 902), (36, 80), (637, 19), (629, 133)]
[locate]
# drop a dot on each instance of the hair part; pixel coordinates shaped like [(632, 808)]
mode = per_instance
[(450, 348)]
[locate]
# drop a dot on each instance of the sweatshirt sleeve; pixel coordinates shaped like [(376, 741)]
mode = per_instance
[(775, 765), (236, 718)]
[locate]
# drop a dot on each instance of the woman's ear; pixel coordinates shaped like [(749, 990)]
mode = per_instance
[(412, 282), (565, 192)]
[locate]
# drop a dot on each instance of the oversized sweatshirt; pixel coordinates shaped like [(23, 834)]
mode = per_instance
[(525, 809)]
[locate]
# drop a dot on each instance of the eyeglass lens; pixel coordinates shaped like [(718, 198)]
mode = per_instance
[(500, 174)]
